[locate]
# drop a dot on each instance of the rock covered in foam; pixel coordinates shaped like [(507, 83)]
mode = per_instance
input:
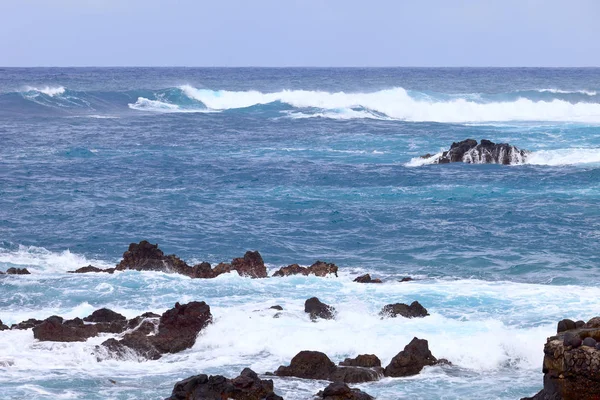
[(414, 310), (18, 271), (486, 152), (572, 362), (316, 309), (247, 386)]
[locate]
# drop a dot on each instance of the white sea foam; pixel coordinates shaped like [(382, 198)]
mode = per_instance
[(144, 104), (560, 91), (47, 90)]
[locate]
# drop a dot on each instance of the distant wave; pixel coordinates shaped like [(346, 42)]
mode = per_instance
[(586, 92), (572, 156), (47, 90)]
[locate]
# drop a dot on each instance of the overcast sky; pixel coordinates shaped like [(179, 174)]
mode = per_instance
[(299, 33)]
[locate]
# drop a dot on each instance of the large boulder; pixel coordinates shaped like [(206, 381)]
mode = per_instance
[(177, 330), (316, 365), (366, 278), (247, 386), (341, 391), (362, 360), (414, 310), (55, 329), (486, 152), (251, 265), (319, 268), (144, 256), (411, 360), (572, 362), (316, 309)]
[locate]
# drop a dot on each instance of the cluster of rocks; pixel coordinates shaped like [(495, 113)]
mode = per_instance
[(486, 152), (571, 364), (317, 309), (16, 271)]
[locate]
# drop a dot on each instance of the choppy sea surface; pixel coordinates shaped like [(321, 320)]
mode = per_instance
[(302, 165)]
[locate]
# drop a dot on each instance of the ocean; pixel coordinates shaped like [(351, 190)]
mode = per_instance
[(301, 164)]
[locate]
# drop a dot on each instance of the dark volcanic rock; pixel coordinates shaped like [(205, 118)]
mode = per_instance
[(247, 386), (177, 330), (277, 307), (565, 325), (366, 278), (341, 391), (362, 360), (56, 330), (251, 265), (319, 268), (104, 315), (415, 310), (411, 360), (406, 279), (90, 268), (17, 271), (486, 152), (144, 256), (316, 365), (2, 326), (316, 309), (30, 323)]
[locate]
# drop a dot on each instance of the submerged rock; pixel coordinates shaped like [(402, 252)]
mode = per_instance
[(316, 365), (414, 310), (341, 391), (247, 386), (410, 361), (17, 271), (572, 362), (319, 268), (90, 268), (366, 278), (486, 152), (317, 309)]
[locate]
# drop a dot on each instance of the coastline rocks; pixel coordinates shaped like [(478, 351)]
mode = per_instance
[(144, 256), (414, 310), (341, 391), (486, 152), (319, 268), (91, 268), (55, 329), (572, 362), (410, 361), (104, 315), (316, 309), (30, 323), (177, 330), (362, 360), (316, 365), (406, 279), (17, 271), (247, 386), (366, 278), (3, 327), (251, 265)]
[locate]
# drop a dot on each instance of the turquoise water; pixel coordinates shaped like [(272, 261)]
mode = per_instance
[(300, 164)]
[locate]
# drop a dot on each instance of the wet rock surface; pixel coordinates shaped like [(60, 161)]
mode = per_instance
[(414, 310), (2, 326), (319, 268), (366, 278), (17, 271), (362, 360), (316, 309), (486, 152), (572, 362), (341, 391), (56, 329), (410, 361), (247, 386)]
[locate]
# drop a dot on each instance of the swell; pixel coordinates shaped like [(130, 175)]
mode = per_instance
[(546, 104)]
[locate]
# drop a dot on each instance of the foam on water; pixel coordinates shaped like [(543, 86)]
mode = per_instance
[(47, 90)]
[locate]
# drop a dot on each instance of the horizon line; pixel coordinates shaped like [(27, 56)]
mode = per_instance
[(303, 67)]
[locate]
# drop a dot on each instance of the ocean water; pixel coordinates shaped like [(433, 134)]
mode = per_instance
[(300, 164)]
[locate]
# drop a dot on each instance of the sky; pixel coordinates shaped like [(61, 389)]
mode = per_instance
[(319, 33)]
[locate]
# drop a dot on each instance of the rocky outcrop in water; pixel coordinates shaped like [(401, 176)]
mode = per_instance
[(486, 152), (90, 268), (366, 278), (316, 365), (362, 360), (571, 364), (316, 309), (414, 310), (341, 391), (410, 361), (55, 329), (2, 326), (247, 386), (177, 330), (17, 271), (30, 323), (319, 268)]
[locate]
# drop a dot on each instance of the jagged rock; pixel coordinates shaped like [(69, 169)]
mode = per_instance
[(56, 330), (177, 330), (362, 360), (90, 269), (572, 363), (317, 309), (134, 322), (411, 360), (414, 310), (2, 326), (341, 391), (366, 278), (104, 315), (144, 256), (251, 265), (17, 271), (316, 365), (30, 323), (486, 152), (319, 268), (247, 386), (202, 270)]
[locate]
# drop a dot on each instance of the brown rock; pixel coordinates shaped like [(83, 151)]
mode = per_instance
[(251, 265), (415, 310), (317, 309), (366, 278), (309, 365), (91, 269), (341, 391), (411, 360), (30, 323), (56, 330), (362, 360)]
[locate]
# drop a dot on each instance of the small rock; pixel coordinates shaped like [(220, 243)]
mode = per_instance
[(411, 360), (104, 315), (17, 271), (362, 360), (406, 279), (317, 309), (277, 307), (414, 310), (341, 391), (565, 325), (366, 278), (589, 342), (579, 324)]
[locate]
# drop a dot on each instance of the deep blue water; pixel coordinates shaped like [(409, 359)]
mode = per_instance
[(300, 164)]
